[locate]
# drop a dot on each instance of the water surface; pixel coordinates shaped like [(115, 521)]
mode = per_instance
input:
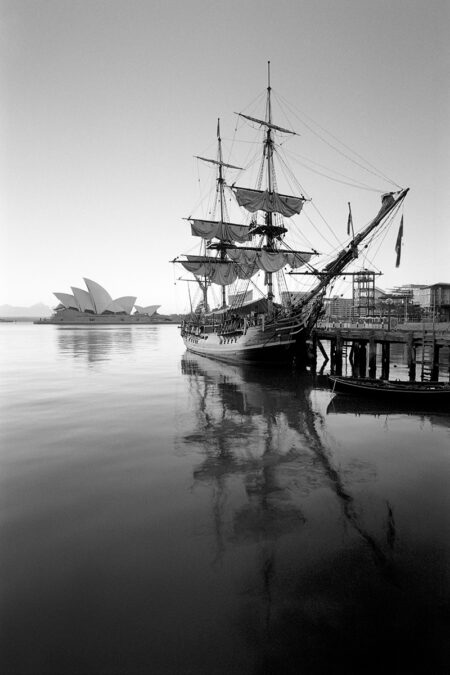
[(163, 513)]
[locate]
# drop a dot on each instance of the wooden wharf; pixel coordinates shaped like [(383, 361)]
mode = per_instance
[(363, 341)]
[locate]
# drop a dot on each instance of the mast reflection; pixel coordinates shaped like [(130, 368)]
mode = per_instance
[(280, 498), (258, 430)]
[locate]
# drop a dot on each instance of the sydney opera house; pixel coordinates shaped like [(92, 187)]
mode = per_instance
[(95, 305)]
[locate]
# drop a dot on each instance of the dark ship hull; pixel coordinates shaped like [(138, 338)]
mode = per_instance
[(282, 340)]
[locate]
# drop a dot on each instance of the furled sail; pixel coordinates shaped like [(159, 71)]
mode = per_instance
[(269, 261), (223, 275), (218, 271), (219, 163), (296, 260), (208, 229), (272, 202), (267, 124)]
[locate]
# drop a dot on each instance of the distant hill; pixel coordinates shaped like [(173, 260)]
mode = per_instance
[(35, 311)]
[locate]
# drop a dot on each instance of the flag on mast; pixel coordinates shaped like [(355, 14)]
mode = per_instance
[(350, 221), (398, 243)]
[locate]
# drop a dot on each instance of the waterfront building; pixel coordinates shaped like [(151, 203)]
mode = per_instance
[(339, 308), (424, 301)]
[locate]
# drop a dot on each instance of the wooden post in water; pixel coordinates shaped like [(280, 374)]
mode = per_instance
[(385, 360), (338, 353), (313, 353), (449, 363), (333, 356), (372, 357), (356, 362), (411, 357), (362, 358), (435, 364)]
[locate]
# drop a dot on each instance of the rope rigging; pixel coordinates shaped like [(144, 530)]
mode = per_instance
[(370, 168), (265, 170)]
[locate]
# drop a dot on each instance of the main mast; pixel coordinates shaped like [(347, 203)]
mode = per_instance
[(268, 148), (220, 182)]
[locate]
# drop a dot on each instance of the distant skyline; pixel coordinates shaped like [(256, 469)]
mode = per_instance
[(104, 105)]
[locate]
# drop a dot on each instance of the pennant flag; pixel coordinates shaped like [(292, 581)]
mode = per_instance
[(350, 220), (398, 243)]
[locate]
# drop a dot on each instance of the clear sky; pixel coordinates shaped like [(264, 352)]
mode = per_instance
[(104, 103)]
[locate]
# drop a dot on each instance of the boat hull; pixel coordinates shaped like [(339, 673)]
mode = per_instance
[(256, 346), (408, 392), (277, 342)]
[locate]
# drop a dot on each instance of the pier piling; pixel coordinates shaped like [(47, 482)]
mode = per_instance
[(361, 344), (411, 358), (372, 357)]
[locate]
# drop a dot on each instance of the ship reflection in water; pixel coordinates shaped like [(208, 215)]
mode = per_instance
[(340, 519)]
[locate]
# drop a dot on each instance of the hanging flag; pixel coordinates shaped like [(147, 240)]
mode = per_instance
[(398, 243), (350, 220), (218, 128)]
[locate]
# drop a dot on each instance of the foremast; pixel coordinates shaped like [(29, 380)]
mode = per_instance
[(220, 229), (390, 201)]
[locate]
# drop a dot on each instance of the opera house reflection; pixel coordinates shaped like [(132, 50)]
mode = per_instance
[(94, 345)]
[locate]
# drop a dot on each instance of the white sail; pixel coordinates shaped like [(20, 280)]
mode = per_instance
[(242, 256), (220, 272), (223, 275), (296, 260), (209, 229), (269, 261), (271, 202)]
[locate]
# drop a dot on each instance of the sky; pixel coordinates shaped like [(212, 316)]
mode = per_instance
[(104, 104)]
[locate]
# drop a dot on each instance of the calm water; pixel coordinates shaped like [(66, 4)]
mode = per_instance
[(162, 513)]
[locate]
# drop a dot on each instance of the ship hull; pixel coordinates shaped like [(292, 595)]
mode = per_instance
[(255, 346), (278, 342), (268, 353)]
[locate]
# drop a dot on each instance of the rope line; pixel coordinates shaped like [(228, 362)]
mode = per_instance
[(373, 170)]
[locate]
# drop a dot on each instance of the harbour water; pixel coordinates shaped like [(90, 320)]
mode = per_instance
[(165, 514)]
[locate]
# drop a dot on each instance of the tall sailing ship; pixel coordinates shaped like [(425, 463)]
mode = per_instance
[(267, 328)]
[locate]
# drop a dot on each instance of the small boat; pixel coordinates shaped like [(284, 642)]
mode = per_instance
[(397, 390)]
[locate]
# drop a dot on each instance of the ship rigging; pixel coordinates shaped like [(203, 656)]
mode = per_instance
[(241, 328)]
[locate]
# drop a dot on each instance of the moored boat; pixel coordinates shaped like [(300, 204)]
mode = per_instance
[(392, 390), (275, 326)]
